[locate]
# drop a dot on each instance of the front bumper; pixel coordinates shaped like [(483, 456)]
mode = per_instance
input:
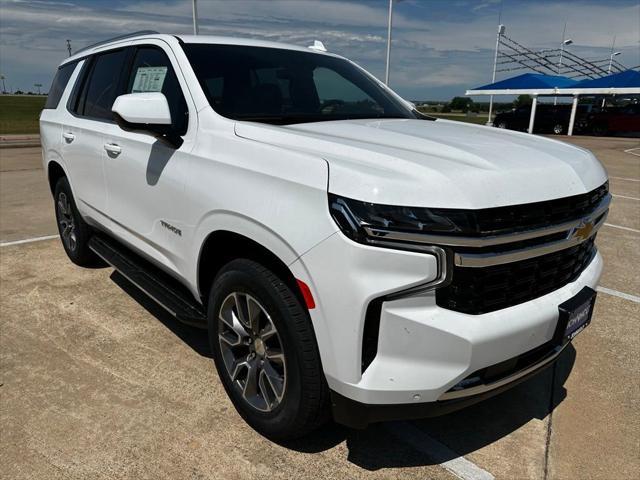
[(423, 350), (354, 414)]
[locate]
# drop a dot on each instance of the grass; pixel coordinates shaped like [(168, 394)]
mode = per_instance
[(19, 113)]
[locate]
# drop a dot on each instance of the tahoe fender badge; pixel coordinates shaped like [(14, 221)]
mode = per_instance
[(171, 228)]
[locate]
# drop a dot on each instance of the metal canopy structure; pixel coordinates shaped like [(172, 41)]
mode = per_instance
[(559, 61), (536, 84)]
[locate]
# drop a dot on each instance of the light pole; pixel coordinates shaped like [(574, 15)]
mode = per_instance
[(613, 54), (564, 43), (195, 17), (501, 30), (4, 89), (386, 71), (38, 85)]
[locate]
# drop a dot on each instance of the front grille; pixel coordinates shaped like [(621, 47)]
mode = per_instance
[(481, 290), (529, 216)]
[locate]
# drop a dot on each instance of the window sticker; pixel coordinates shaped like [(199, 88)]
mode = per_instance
[(149, 79)]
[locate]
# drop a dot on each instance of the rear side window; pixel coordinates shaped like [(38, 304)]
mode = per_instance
[(59, 84), (101, 86), (152, 72)]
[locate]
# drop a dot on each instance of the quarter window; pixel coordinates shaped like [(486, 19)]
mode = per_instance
[(59, 84)]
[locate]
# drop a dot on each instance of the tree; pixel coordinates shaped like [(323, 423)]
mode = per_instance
[(461, 103), (522, 101), (446, 108)]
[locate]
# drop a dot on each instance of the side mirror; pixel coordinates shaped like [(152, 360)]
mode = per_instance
[(146, 112)]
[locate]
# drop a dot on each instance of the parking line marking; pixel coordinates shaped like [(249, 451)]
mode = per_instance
[(622, 228), (632, 152), (624, 196), (616, 293), (627, 179), (28, 240), (446, 458)]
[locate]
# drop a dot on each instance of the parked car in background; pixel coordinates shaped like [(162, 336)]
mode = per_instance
[(613, 120), (549, 118)]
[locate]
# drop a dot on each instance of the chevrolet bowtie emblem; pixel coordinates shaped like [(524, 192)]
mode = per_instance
[(583, 231)]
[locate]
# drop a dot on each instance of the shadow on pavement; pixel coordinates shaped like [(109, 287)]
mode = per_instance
[(196, 338), (463, 432), (377, 447)]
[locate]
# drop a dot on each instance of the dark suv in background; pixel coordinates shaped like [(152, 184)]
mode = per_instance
[(549, 118)]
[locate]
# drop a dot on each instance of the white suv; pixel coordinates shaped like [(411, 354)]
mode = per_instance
[(346, 253)]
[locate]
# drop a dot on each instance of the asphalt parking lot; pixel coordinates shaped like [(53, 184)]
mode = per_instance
[(98, 382)]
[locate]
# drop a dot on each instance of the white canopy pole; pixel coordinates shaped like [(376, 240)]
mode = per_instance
[(572, 119), (532, 118)]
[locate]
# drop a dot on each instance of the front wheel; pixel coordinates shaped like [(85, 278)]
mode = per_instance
[(265, 351), (558, 129)]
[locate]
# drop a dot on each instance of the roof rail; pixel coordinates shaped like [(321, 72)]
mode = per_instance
[(120, 37)]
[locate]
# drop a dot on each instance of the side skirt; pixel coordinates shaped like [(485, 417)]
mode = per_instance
[(157, 285)]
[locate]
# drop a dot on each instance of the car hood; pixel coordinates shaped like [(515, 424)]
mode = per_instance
[(437, 163)]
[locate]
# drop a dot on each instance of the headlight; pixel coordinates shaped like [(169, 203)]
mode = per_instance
[(401, 228), (366, 222)]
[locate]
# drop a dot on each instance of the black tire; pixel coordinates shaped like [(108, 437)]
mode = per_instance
[(74, 231), (599, 129), (503, 125), (558, 129), (304, 402)]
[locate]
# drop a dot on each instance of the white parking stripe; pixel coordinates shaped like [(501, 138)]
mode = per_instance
[(629, 229), (624, 196), (28, 240), (616, 293), (447, 458), (632, 151), (627, 179)]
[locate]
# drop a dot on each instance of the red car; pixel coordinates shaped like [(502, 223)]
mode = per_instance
[(616, 119)]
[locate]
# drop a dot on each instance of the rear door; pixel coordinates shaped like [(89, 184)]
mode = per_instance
[(83, 131), (145, 176)]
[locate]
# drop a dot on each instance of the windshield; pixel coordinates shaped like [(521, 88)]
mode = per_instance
[(282, 86)]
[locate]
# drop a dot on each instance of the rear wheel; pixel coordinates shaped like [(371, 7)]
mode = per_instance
[(599, 129), (558, 129), (74, 231), (265, 351), (502, 124)]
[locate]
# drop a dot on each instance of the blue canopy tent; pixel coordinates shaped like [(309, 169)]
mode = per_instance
[(621, 82), (627, 82), (525, 82)]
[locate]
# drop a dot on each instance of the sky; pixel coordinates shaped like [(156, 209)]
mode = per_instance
[(440, 48)]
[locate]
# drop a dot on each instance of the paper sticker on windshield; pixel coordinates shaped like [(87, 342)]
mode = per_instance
[(149, 79)]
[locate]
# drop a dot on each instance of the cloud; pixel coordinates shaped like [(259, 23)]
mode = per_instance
[(439, 48)]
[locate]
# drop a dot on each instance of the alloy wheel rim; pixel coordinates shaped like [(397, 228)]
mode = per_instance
[(252, 351), (557, 129), (66, 222)]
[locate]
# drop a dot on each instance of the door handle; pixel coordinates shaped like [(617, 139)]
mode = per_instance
[(68, 137), (113, 148)]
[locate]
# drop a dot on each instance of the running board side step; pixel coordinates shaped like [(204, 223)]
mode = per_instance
[(156, 284)]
